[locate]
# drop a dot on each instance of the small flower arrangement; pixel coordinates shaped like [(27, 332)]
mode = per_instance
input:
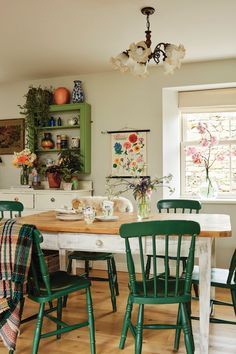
[(24, 158)]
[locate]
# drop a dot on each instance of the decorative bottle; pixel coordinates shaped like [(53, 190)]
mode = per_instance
[(77, 93), (47, 143)]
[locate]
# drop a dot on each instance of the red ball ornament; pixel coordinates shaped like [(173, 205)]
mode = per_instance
[(61, 95)]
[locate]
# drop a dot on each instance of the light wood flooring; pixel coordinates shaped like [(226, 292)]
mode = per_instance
[(108, 327)]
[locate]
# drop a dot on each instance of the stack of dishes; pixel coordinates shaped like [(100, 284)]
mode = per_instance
[(68, 215)]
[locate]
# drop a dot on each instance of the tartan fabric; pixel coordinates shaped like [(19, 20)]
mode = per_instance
[(15, 258)]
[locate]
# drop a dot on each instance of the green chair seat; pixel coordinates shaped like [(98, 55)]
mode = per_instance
[(221, 278), (90, 256), (111, 270)]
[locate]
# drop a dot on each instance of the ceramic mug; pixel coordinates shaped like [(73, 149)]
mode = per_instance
[(107, 208), (89, 215)]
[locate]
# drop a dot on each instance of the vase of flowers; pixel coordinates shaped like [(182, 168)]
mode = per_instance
[(24, 160), (142, 188), (206, 154)]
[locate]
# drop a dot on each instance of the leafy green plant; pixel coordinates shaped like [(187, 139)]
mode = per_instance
[(70, 164), (36, 112)]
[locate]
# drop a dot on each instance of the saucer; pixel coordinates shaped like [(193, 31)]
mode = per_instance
[(69, 217), (107, 218)]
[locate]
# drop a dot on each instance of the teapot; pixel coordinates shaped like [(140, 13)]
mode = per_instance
[(73, 121)]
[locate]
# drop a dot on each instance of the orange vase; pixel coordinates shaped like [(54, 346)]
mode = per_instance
[(61, 95)]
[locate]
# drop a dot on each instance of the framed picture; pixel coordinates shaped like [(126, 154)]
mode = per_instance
[(12, 136), (129, 153)]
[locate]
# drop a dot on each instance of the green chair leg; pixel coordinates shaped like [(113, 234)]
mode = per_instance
[(114, 271), (178, 331), (91, 321), (86, 268), (38, 329), (188, 337), (233, 295), (59, 315), (126, 323), (139, 331), (111, 285)]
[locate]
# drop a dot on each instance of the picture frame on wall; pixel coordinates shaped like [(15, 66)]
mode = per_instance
[(12, 135), (129, 153)]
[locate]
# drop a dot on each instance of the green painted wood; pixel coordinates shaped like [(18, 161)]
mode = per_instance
[(44, 287), (10, 206), (182, 205), (221, 278), (67, 107), (59, 127), (162, 288), (50, 150)]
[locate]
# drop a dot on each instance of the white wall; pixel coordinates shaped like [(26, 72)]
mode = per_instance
[(119, 101)]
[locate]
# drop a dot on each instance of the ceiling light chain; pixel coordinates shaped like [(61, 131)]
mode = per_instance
[(136, 58)]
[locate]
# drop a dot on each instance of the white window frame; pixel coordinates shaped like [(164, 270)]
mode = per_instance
[(184, 144)]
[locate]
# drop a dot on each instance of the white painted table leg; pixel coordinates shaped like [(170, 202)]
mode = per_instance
[(63, 259), (204, 289)]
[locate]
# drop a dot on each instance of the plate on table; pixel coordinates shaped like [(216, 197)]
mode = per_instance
[(65, 211), (69, 217), (107, 218)]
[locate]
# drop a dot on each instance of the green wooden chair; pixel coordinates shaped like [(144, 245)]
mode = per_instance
[(221, 278), (11, 207), (162, 288), (44, 287), (176, 206), (111, 270)]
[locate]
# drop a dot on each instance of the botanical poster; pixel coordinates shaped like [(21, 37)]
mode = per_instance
[(129, 155)]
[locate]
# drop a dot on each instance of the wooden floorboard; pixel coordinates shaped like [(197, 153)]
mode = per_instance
[(108, 327)]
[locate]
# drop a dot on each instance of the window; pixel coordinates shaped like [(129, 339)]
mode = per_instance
[(213, 146)]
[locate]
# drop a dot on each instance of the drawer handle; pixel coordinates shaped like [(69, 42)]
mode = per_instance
[(16, 199), (52, 200), (99, 243)]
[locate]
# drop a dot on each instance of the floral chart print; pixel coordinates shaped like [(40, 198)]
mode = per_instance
[(129, 154)]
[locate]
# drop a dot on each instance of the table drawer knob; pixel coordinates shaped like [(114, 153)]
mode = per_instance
[(99, 243), (16, 199), (53, 200)]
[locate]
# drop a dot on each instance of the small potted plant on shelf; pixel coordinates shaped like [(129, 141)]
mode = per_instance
[(53, 173), (71, 166)]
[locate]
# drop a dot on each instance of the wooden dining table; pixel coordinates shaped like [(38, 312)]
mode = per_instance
[(103, 236)]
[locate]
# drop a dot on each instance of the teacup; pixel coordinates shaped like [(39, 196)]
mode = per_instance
[(89, 215), (107, 208)]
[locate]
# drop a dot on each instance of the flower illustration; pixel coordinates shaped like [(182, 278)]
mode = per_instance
[(118, 148), (136, 148), (133, 138), (127, 145)]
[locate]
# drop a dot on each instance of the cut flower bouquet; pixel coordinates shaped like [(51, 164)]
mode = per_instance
[(141, 187), (24, 160)]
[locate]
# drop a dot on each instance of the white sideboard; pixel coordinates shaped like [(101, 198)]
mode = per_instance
[(35, 201)]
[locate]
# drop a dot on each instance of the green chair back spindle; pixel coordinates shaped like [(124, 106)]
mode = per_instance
[(161, 288), (179, 205), (11, 207)]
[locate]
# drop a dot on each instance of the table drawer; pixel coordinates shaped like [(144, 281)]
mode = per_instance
[(26, 199), (96, 243)]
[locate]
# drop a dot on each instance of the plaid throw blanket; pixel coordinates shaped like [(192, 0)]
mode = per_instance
[(15, 258)]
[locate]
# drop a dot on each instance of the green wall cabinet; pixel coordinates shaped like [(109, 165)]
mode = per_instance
[(84, 127)]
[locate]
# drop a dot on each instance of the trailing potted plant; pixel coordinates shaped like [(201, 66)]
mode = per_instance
[(36, 112), (71, 165)]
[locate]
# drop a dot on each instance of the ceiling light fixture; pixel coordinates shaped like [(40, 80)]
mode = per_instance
[(136, 58)]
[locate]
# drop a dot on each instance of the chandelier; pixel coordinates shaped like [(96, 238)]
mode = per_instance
[(136, 58)]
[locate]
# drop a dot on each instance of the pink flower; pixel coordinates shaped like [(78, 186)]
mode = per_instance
[(213, 140), (191, 150), (220, 156), (139, 158), (204, 142), (127, 145), (197, 158), (201, 127)]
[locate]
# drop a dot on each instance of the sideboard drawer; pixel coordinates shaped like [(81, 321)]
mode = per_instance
[(27, 199), (53, 201)]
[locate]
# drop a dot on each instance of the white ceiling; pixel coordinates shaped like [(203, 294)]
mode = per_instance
[(48, 38)]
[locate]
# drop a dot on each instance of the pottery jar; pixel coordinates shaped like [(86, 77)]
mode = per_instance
[(61, 95), (47, 143)]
